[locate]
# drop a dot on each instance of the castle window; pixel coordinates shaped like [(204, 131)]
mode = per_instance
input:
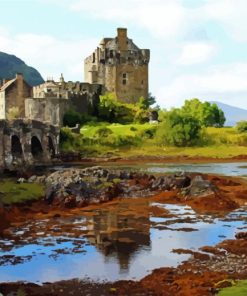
[(142, 82), (94, 57), (124, 78), (111, 53)]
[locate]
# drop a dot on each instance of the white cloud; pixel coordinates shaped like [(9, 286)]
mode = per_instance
[(162, 18), (231, 14), (222, 83), (49, 55), (196, 52)]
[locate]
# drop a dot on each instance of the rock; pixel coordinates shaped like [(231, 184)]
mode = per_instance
[(241, 235), (32, 179), (4, 221), (182, 181), (157, 183), (70, 202), (111, 177), (51, 192), (200, 187), (124, 175), (20, 181)]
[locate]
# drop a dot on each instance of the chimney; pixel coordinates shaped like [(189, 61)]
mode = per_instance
[(122, 39), (19, 76)]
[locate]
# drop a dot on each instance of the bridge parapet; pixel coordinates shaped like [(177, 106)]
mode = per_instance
[(25, 142)]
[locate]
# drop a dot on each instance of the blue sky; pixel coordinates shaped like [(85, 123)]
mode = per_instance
[(198, 47)]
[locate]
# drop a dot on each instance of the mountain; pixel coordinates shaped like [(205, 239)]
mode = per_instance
[(10, 65), (232, 114)]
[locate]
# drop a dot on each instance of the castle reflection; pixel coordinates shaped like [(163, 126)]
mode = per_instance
[(120, 232)]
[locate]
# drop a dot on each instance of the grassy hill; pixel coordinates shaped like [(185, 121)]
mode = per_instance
[(100, 139), (10, 65)]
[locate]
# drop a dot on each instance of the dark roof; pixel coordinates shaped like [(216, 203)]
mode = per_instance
[(113, 44)]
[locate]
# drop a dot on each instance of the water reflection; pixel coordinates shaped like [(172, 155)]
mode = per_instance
[(121, 240), (120, 235)]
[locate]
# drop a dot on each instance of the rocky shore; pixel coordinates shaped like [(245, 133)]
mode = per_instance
[(207, 270), (75, 188)]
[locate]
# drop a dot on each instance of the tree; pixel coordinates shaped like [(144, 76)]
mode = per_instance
[(145, 103), (107, 107), (207, 114), (179, 129)]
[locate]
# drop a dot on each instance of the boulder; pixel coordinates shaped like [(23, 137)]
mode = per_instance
[(199, 188)]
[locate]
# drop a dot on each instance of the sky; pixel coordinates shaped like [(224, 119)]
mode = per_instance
[(198, 47)]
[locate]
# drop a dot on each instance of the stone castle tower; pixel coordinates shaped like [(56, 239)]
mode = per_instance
[(120, 66)]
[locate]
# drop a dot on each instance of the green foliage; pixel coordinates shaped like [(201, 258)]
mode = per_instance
[(103, 132), (19, 193), (71, 118), (224, 135), (207, 114), (179, 129), (242, 126), (70, 141), (113, 111), (145, 103), (239, 290)]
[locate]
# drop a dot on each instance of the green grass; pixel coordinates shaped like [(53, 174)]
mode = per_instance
[(117, 129), (140, 139), (12, 193), (239, 290), (216, 151)]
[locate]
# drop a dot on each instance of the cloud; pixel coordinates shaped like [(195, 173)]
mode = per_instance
[(162, 18), (231, 14), (222, 83), (49, 55), (196, 52)]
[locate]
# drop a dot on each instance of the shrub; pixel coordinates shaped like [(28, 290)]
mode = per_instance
[(242, 126), (71, 118), (179, 129)]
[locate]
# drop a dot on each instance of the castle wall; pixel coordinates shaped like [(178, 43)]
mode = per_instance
[(2, 105), (16, 94), (120, 66), (46, 110), (53, 99)]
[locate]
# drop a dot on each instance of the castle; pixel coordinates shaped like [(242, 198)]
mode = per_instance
[(120, 66), (117, 66)]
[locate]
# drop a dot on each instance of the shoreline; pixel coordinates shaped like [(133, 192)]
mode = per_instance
[(193, 277), (158, 159)]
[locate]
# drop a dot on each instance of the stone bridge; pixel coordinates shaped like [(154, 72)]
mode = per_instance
[(27, 142)]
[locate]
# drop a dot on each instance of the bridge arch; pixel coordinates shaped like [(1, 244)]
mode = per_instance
[(36, 148), (24, 142), (16, 147)]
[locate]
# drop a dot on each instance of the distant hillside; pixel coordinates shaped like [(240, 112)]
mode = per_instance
[(10, 65), (232, 114)]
